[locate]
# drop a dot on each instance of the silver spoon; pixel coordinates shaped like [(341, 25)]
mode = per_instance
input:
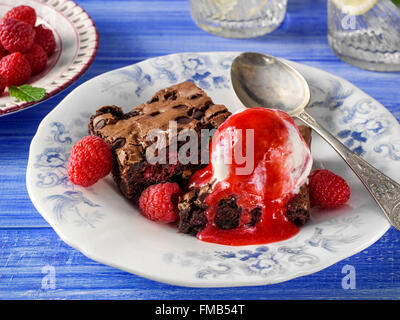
[(261, 80)]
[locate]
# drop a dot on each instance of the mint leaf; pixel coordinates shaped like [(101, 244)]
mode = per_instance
[(27, 93)]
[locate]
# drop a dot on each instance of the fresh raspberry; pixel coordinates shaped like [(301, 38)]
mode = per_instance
[(45, 38), (15, 35), (2, 84), (159, 202), (23, 13), (89, 161), (15, 69), (327, 189), (37, 58)]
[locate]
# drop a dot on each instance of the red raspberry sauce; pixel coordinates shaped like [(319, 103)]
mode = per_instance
[(270, 154)]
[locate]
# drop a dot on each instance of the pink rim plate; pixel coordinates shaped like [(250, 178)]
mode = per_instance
[(77, 44)]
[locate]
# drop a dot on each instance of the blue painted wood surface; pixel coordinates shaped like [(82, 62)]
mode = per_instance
[(131, 31)]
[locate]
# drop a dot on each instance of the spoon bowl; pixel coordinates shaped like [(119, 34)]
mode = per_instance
[(261, 80), (284, 88)]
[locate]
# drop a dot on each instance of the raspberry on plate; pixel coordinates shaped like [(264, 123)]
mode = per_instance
[(15, 35), (89, 161), (327, 189), (159, 202), (37, 58), (15, 69), (45, 38), (23, 13)]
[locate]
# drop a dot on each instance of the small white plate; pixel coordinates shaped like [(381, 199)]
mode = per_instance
[(99, 222), (77, 43)]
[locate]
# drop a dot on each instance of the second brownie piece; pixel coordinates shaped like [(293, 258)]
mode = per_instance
[(127, 133)]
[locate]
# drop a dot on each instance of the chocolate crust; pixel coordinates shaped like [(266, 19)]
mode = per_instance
[(298, 208), (127, 133), (228, 214)]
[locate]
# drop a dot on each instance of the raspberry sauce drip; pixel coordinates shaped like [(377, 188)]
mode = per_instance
[(281, 163)]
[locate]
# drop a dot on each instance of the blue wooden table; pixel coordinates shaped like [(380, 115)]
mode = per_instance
[(131, 31)]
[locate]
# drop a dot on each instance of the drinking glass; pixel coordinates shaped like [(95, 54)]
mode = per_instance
[(370, 38), (238, 18)]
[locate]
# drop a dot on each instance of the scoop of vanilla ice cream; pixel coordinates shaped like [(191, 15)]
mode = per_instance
[(297, 164)]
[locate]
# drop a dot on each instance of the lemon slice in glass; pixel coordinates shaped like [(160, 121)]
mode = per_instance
[(354, 7)]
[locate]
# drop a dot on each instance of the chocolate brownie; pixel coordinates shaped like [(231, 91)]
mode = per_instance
[(192, 207), (129, 135)]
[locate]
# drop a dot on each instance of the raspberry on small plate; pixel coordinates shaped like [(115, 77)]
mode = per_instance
[(23, 13), (45, 38), (37, 58), (16, 35), (15, 68)]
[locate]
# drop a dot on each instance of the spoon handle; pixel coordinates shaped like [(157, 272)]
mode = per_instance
[(384, 190)]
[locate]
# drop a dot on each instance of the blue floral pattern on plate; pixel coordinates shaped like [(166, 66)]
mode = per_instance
[(359, 121), (265, 261)]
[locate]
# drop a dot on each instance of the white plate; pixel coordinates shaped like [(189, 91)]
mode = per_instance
[(99, 222), (77, 43)]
